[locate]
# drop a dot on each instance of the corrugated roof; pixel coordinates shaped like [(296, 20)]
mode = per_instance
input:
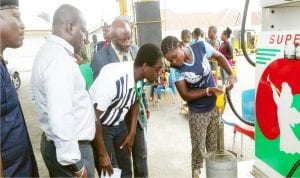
[(223, 18)]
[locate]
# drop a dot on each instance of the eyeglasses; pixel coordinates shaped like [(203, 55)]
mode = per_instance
[(157, 68), (124, 41)]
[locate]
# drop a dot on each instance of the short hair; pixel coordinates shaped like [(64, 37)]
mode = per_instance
[(186, 36), (118, 26), (169, 43), (64, 14), (197, 32), (212, 28), (148, 53)]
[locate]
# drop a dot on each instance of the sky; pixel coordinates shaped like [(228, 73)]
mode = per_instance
[(97, 11), (183, 6), (93, 10)]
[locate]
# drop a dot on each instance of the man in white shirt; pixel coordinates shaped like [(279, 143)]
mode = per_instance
[(116, 94), (65, 111)]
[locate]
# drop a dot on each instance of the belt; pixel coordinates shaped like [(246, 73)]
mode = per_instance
[(80, 142)]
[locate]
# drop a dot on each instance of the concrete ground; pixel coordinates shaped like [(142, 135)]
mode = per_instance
[(169, 146)]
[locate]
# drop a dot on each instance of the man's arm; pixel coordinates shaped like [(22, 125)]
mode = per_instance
[(62, 130), (133, 114), (104, 160)]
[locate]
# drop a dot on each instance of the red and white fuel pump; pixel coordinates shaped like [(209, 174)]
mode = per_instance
[(277, 128)]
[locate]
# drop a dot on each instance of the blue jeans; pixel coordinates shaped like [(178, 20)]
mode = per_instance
[(57, 170), (139, 150), (139, 153), (158, 90), (113, 137)]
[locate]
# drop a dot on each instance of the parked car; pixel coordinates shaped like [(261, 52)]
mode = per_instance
[(14, 76)]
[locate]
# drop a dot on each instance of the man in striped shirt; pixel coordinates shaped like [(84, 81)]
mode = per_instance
[(118, 91)]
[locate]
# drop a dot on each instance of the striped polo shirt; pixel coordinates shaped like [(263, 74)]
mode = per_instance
[(113, 92)]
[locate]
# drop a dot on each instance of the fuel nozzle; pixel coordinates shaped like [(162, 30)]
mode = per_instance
[(220, 103)]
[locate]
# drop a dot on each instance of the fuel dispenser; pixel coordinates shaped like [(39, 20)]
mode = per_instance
[(277, 127)]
